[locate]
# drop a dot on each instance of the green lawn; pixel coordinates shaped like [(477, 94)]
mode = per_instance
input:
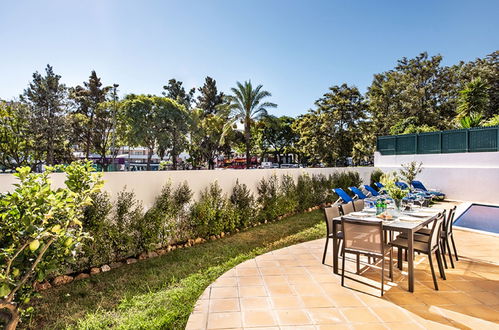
[(161, 292)]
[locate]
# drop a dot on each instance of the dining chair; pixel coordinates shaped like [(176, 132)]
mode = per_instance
[(358, 205), (330, 213), (347, 208), (365, 237), (430, 247), (446, 237)]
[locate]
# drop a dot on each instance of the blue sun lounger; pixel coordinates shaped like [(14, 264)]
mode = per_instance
[(371, 190), (342, 195), (402, 185), (357, 192), (418, 185)]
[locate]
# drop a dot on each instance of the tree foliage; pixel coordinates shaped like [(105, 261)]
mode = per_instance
[(88, 99), (276, 135), (17, 141), (473, 99), (327, 133), (46, 98), (247, 105), (174, 90)]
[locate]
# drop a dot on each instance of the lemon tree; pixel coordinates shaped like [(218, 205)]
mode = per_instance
[(40, 229)]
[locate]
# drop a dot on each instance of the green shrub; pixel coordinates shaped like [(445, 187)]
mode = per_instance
[(167, 220), (180, 217), (212, 214), (243, 202), (321, 189), (127, 233), (304, 189), (375, 177), (287, 199), (268, 198), (98, 250), (346, 179)]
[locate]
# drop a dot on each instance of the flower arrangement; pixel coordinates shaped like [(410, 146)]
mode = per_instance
[(394, 191)]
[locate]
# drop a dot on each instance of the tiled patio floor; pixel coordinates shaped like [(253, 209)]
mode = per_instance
[(290, 288)]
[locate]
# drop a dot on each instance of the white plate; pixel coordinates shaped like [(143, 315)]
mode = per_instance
[(359, 214), (409, 218)]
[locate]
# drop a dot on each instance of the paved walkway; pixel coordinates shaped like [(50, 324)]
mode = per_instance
[(290, 288)]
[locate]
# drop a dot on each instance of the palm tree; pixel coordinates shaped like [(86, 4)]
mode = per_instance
[(246, 106)]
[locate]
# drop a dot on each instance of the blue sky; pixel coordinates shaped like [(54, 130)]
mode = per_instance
[(296, 49)]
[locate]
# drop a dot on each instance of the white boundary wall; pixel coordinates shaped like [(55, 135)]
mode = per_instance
[(472, 176), (148, 185)]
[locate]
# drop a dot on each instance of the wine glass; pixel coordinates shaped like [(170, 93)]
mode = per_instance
[(420, 200)]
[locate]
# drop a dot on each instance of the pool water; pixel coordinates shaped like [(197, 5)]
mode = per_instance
[(480, 217)]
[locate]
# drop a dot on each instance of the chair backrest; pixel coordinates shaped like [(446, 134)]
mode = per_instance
[(347, 208), (371, 190), (450, 220), (362, 235), (358, 205), (343, 195), (418, 185), (379, 185), (330, 213), (436, 229), (357, 192), (402, 185)]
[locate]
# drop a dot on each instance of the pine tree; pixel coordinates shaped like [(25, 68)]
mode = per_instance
[(87, 98), (47, 98), (174, 90), (209, 98)]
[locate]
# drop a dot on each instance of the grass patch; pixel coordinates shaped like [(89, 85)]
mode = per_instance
[(161, 292)]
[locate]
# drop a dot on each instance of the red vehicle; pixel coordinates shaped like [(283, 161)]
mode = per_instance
[(238, 163)]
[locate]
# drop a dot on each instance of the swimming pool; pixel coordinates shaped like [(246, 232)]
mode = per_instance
[(480, 217)]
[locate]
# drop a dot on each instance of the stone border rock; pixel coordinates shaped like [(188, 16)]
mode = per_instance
[(68, 278)]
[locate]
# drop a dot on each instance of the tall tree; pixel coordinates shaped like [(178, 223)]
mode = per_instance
[(211, 118), (88, 99), (209, 98), (174, 90), (473, 99), (327, 133), (107, 135), (17, 143), (277, 135), (47, 98), (172, 123), (247, 105), (140, 120), (487, 69)]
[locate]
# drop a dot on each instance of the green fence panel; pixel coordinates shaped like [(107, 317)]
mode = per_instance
[(480, 139), (406, 144), (483, 139), (455, 141), (386, 145), (429, 143)]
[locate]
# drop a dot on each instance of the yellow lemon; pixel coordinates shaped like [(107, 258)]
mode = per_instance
[(34, 245)]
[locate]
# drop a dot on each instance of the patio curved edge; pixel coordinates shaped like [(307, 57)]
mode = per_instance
[(290, 287)]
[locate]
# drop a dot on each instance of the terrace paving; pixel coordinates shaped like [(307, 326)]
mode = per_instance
[(290, 288)]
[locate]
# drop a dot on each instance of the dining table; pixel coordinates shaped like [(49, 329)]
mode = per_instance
[(405, 222)]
